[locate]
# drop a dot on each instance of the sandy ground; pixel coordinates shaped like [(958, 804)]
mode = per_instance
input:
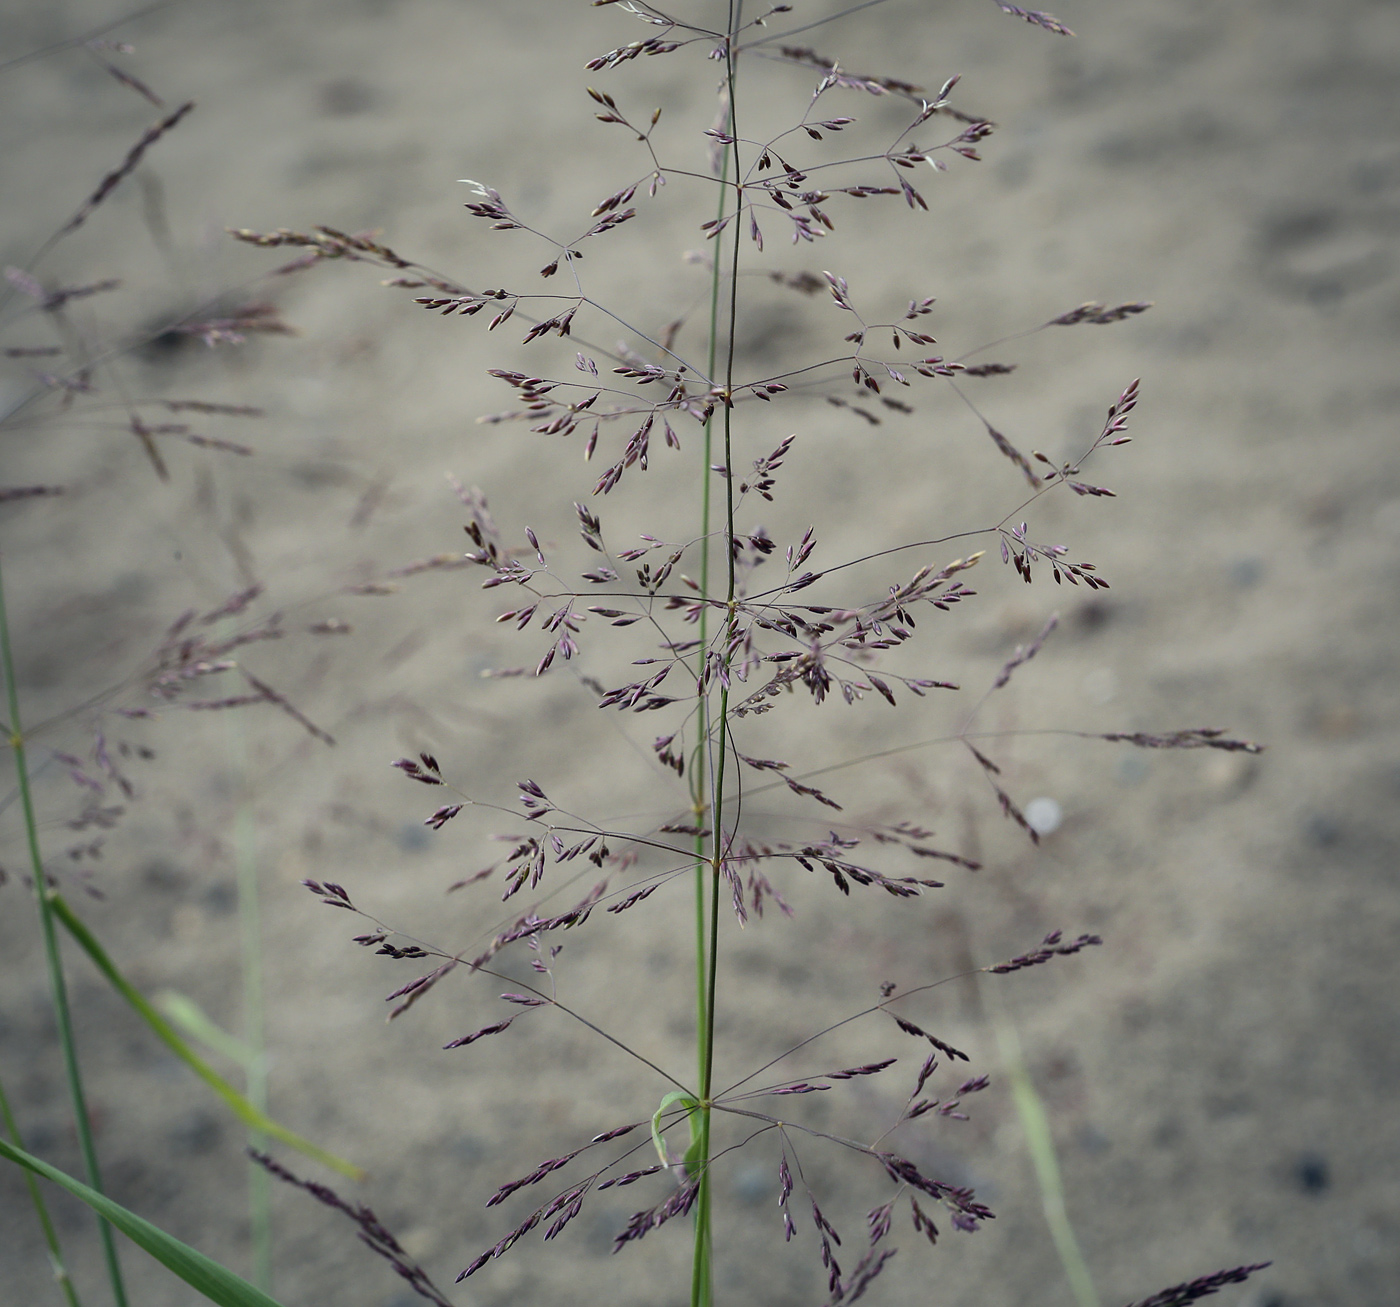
[(1220, 1075)]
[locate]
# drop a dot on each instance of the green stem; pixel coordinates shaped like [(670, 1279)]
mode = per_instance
[(699, 776), (57, 986), (701, 1283), (41, 1210)]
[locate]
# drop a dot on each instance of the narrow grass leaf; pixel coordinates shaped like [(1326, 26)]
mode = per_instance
[(215, 1282)]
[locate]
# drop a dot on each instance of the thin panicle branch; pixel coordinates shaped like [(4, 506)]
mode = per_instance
[(372, 1232), (113, 179)]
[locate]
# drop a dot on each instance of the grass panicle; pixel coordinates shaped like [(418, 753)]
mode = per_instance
[(732, 643)]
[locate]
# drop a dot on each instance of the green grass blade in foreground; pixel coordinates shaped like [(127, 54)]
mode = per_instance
[(202, 1273), (58, 986), (41, 1210), (167, 1034)]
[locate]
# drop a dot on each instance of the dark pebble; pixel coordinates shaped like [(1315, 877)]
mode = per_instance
[(1312, 1173), (413, 838), (1322, 831)]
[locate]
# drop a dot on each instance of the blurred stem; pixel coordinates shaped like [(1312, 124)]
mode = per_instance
[(57, 987), (41, 1210), (254, 1035), (1035, 1125), (254, 1010)]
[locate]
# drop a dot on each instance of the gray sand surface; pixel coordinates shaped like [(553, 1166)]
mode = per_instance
[(1220, 1076)]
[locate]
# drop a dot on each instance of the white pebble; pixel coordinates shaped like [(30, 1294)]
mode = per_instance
[(1044, 816)]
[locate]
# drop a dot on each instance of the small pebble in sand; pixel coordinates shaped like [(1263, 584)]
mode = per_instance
[(1044, 815), (1312, 1173)]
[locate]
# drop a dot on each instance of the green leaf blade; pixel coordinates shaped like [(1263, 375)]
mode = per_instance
[(203, 1274)]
